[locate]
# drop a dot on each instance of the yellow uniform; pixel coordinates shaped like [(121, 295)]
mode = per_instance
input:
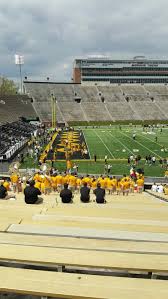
[(119, 186), (109, 184), (166, 190), (140, 185), (65, 179), (86, 180), (102, 183), (54, 182), (6, 185), (59, 180), (72, 181), (14, 178), (37, 185), (140, 182), (69, 164), (42, 187), (78, 182), (132, 185), (126, 185), (94, 184), (106, 180), (37, 177), (47, 182), (127, 178), (166, 173)]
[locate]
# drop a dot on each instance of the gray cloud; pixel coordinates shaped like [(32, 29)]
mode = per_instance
[(51, 33)]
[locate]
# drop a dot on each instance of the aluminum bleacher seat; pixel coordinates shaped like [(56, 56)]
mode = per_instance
[(99, 103)]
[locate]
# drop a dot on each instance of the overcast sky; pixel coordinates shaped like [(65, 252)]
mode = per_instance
[(52, 33)]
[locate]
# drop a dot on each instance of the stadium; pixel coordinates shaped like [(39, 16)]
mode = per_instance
[(84, 183)]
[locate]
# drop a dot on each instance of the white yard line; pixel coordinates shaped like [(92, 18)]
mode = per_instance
[(86, 144), (121, 143), (143, 135), (142, 145), (105, 145)]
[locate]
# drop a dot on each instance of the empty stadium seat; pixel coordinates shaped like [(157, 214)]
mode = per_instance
[(99, 103), (14, 106)]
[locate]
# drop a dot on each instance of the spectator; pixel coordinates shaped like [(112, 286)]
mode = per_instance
[(140, 185), (66, 194), (166, 174), (166, 189), (136, 160), (109, 168), (160, 188), (146, 159), (3, 192), (75, 169), (154, 187), (161, 162), (125, 187), (85, 193), (100, 194), (149, 160), (133, 174), (165, 162), (153, 160), (131, 159), (31, 194), (139, 157)]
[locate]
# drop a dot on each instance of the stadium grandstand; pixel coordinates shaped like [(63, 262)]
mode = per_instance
[(83, 205), (77, 102), (14, 106)]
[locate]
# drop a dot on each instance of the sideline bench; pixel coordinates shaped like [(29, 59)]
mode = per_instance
[(53, 257), (68, 286)]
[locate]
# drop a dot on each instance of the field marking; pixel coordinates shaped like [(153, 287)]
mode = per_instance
[(121, 143), (104, 144), (140, 133), (141, 145), (86, 144)]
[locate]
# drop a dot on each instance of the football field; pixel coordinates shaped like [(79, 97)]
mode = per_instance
[(118, 143)]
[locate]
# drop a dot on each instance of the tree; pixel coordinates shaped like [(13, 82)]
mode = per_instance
[(7, 87)]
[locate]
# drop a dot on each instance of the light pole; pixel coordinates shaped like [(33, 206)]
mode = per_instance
[(19, 60)]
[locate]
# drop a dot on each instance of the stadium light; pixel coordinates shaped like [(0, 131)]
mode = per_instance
[(19, 60)]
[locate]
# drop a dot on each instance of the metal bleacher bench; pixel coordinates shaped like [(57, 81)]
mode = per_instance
[(92, 259), (63, 285), (84, 243)]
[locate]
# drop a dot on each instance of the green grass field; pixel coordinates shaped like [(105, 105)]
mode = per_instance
[(118, 144)]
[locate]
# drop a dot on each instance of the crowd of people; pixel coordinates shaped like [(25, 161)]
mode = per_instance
[(160, 188), (62, 183)]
